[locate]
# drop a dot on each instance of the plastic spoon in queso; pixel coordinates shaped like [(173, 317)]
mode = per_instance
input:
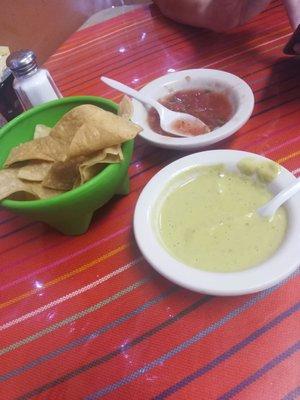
[(270, 208), (176, 123)]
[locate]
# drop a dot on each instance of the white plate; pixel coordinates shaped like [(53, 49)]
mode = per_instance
[(239, 93), (275, 269)]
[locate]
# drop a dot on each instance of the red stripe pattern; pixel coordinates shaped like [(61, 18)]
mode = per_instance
[(86, 317)]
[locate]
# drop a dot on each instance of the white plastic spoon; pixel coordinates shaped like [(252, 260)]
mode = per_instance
[(168, 118), (270, 208)]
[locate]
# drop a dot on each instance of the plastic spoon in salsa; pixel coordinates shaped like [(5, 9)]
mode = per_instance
[(270, 208), (176, 123)]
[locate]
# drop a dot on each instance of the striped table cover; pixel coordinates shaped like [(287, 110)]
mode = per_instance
[(86, 317)]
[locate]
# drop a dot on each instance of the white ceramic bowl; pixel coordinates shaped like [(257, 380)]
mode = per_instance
[(238, 91), (275, 269)]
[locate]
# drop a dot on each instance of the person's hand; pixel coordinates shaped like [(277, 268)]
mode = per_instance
[(212, 14)]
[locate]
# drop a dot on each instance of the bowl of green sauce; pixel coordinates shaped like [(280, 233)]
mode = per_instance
[(196, 223)]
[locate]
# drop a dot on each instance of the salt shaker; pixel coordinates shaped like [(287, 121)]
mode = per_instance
[(33, 85)]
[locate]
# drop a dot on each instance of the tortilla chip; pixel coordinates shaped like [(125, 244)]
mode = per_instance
[(45, 149), (80, 145), (97, 161), (23, 196), (63, 175), (9, 183), (68, 125), (41, 131), (42, 192), (125, 109), (104, 130), (34, 171), (13, 187), (88, 172)]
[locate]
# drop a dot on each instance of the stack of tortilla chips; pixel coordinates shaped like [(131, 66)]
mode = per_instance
[(61, 158)]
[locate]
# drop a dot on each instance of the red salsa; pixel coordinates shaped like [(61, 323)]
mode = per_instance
[(213, 108)]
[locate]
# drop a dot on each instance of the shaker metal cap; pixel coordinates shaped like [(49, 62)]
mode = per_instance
[(22, 62)]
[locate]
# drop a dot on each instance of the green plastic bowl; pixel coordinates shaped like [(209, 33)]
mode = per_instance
[(70, 212)]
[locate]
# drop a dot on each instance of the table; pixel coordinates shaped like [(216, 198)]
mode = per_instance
[(86, 317)]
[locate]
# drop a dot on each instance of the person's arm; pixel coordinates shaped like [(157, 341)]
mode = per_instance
[(212, 14), (293, 10)]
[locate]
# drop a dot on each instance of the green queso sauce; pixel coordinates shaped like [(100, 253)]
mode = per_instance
[(208, 220)]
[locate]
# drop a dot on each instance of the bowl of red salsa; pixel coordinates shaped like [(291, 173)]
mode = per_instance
[(223, 101)]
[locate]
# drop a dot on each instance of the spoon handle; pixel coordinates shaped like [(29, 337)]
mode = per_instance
[(130, 92), (271, 207)]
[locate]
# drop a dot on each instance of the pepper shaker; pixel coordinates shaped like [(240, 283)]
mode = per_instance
[(10, 106), (33, 85)]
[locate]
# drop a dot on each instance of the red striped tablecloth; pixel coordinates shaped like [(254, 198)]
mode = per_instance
[(86, 317)]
